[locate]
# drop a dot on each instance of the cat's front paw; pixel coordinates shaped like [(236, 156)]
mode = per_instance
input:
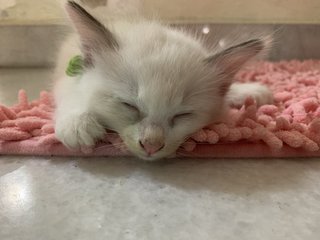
[(239, 92), (76, 131)]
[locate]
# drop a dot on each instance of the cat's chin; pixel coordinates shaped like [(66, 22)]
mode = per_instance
[(151, 158), (155, 157)]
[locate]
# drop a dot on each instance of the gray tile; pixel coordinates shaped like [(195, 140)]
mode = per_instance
[(33, 80), (50, 198), (32, 46)]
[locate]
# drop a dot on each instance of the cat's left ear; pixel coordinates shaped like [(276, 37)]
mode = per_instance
[(229, 61), (94, 36)]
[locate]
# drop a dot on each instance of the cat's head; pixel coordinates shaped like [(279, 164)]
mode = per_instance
[(154, 85)]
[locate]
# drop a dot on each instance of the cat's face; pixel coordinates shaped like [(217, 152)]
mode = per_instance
[(155, 100), (154, 85)]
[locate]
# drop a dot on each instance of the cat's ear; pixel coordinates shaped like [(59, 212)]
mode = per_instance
[(229, 61), (94, 36)]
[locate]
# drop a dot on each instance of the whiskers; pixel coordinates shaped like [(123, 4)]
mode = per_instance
[(113, 146), (111, 140)]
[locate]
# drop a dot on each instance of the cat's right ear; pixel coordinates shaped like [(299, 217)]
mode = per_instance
[(94, 36), (229, 61)]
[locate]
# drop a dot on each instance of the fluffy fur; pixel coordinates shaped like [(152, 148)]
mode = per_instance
[(152, 84)]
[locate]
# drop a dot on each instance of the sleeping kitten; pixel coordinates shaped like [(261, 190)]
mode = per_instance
[(152, 84)]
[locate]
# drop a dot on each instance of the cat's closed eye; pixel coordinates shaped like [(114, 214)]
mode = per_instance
[(180, 116), (130, 106), (133, 112)]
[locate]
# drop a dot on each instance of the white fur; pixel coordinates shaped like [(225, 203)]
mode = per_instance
[(158, 69), (239, 92)]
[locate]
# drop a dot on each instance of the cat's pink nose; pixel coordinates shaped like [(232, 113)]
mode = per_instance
[(151, 148)]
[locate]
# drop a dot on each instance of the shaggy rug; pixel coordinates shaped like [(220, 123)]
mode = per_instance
[(288, 128)]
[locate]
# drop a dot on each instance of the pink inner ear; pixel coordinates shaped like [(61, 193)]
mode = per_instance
[(93, 34), (230, 61), (87, 27)]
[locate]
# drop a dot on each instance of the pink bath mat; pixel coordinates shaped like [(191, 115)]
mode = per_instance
[(289, 128)]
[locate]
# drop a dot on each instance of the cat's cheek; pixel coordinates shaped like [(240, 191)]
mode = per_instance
[(182, 131)]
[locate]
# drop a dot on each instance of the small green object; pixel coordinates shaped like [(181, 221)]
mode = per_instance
[(75, 66)]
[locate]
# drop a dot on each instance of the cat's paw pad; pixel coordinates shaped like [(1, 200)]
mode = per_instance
[(76, 131), (238, 94)]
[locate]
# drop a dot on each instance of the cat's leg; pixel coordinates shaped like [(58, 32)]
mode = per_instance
[(75, 124), (239, 92), (76, 129)]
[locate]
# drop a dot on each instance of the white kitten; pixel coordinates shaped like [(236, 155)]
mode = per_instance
[(152, 84)]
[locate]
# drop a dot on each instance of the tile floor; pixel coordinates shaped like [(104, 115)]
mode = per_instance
[(81, 199)]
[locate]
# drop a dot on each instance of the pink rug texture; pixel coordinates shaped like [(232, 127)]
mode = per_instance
[(289, 128)]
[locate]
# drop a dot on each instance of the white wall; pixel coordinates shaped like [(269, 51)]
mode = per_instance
[(214, 11)]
